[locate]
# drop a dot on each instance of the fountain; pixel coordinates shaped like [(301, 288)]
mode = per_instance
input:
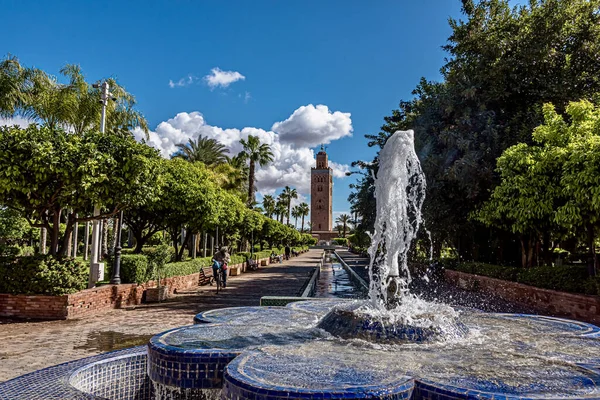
[(393, 345)]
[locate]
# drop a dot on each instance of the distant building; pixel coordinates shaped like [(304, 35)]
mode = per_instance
[(321, 195)]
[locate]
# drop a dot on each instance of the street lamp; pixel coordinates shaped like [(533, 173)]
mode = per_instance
[(97, 268)]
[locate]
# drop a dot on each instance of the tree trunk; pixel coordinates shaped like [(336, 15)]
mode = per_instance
[(296, 223), (251, 184), (289, 209), (302, 227), (55, 232), (591, 263), (115, 233), (43, 238), (68, 238)]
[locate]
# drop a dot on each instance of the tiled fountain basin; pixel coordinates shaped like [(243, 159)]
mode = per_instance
[(330, 368)]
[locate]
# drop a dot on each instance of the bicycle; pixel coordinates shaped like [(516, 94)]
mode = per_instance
[(219, 279)]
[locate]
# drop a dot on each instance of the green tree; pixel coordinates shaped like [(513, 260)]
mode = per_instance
[(13, 227), (296, 214), (303, 209), (280, 208), (269, 205), (206, 150), (36, 95), (288, 194), (343, 219), (43, 172), (504, 63), (256, 153), (554, 181)]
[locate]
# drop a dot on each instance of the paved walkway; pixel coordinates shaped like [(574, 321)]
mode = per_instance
[(29, 346)]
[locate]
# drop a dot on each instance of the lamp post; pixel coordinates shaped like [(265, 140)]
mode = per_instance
[(116, 272), (96, 268)]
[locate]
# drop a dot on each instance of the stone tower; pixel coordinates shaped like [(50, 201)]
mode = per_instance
[(321, 193)]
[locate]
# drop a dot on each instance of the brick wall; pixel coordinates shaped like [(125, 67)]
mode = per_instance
[(575, 306), (88, 302)]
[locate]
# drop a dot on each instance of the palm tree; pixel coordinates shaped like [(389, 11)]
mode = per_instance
[(206, 150), (304, 210), (344, 219), (269, 205), (280, 207), (255, 152), (296, 214), (288, 194), (36, 95)]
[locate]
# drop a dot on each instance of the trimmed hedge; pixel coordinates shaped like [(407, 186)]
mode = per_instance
[(135, 268), (569, 278), (42, 275), (341, 241)]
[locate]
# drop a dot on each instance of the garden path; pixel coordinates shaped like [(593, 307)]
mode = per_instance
[(29, 346)]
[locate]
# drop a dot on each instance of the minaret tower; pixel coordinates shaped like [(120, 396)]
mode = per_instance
[(321, 193)]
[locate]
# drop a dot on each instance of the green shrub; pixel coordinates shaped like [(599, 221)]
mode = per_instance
[(567, 278), (134, 268), (341, 241), (490, 270), (42, 274)]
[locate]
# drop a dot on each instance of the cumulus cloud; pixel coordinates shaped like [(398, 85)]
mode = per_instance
[(218, 77), (182, 82), (310, 126), (291, 162)]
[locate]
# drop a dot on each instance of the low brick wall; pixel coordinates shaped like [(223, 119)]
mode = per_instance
[(88, 302), (575, 306)]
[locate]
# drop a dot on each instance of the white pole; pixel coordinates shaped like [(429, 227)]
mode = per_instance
[(86, 238), (97, 269), (75, 234)]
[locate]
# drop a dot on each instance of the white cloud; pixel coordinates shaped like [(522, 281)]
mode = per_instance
[(19, 121), (183, 82), (218, 77), (291, 163), (310, 126)]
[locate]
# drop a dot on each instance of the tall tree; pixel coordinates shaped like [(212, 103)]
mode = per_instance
[(304, 210), (206, 150), (296, 214), (269, 205), (38, 96), (280, 208), (343, 219), (256, 153), (288, 194)]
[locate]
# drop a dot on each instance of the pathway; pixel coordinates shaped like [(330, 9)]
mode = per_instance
[(29, 346)]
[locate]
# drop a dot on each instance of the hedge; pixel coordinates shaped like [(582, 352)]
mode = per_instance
[(568, 278), (42, 275)]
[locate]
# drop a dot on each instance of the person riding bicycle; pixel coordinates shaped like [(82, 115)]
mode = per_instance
[(220, 260)]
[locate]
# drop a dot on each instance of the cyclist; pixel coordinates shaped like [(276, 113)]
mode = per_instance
[(220, 260)]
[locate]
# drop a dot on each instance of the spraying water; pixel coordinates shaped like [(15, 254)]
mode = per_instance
[(400, 192)]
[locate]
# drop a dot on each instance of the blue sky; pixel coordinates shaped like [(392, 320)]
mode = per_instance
[(357, 57)]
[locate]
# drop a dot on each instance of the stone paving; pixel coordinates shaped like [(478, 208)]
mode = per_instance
[(29, 346)]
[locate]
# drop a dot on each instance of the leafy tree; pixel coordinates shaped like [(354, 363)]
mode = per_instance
[(206, 150), (504, 64), (256, 153), (288, 194), (269, 205), (343, 220), (553, 182), (13, 227), (44, 171)]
